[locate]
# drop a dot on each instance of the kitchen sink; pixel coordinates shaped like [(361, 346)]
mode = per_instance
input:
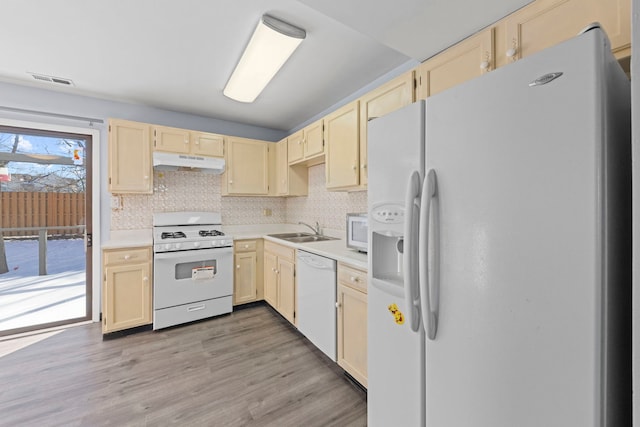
[(301, 237)]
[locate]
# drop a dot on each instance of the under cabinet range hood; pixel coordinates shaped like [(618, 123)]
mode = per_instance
[(175, 161)]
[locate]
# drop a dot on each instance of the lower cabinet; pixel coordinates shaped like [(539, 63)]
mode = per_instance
[(352, 321), (126, 289), (280, 280), (247, 279)]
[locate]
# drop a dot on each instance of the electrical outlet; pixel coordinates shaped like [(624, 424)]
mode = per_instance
[(115, 203), (266, 212)]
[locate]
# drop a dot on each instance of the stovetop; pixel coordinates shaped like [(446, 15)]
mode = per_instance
[(182, 231)]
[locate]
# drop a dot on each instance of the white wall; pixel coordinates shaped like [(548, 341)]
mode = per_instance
[(635, 117)]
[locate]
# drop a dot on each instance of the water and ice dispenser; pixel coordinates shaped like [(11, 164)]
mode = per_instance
[(387, 239)]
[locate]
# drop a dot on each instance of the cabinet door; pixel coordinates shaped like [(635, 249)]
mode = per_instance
[(313, 140), (247, 167), (341, 134), (387, 98), (615, 18), (468, 59), (127, 296), (296, 146), (282, 169), (130, 169), (169, 139), (271, 279), (545, 23), (207, 144), (352, 332), (286, 289), (245, 278)]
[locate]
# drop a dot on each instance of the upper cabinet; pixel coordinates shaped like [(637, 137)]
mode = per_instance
[(130, 169), (470, 58), (389, 97), (175, 140), (545, 23), (342, 136), (247, 167), (307, 145), (207, 144), (290, 180)]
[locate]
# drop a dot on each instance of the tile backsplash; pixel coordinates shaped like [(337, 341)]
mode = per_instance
[(176, 191), (329, 208)]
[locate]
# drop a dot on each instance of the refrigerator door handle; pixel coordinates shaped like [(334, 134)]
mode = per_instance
[(429, 297), (411, 283)]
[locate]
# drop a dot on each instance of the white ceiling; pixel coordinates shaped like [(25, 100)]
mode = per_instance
[(178, 55)]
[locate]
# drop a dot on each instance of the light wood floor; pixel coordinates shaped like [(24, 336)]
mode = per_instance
[(249, 368)]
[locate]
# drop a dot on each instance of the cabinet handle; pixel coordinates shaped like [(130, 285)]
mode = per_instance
[(186, 141), (197, 142), (299, 142), (338, 305), (246, 246), (146, 177), (355, 168), (230, 181), (354, 279), (277, 272), (363, 166), (486, 64), (145, 279), (511, 53), (238, 267), (127, 257)]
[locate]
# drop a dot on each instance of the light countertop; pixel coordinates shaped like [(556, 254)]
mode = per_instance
[(335, 249)]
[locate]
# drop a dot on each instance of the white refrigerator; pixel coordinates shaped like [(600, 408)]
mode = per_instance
[(523, 251)]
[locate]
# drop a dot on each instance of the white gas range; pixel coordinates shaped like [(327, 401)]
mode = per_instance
[(192, 268)]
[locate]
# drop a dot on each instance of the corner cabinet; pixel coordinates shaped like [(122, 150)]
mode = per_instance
[(126, 289), (352, 321), (130, 168), (342, 137), (247, 167), (280, 279), (247, 280), (307, 145)]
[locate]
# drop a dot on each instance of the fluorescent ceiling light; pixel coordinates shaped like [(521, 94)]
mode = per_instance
[(271, 45)]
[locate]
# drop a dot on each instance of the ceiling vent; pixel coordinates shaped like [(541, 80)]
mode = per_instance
[(50, 79)]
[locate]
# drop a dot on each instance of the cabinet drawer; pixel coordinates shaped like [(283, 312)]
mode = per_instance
[(245, 245), (124, 256), (279, 250), (352, 277)]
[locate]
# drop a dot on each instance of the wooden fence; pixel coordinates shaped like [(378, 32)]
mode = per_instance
[(22, 209)]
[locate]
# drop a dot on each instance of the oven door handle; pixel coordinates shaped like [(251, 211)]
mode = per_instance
[(190, 253)]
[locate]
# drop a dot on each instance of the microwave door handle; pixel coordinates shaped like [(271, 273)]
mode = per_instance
[(410, 250)]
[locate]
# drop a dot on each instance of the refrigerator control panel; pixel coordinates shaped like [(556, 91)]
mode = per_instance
[(388, 213)]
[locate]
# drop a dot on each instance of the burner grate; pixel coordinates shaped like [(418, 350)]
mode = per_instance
[(173, 235), (210, 233)]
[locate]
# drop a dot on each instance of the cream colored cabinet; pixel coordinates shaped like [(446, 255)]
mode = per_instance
[(307, 145), (291, 180), (126, 289), (175, 140), (342, 137), (280, 285), (545, 23), (389, 97), (130, 168), (470, 58), (169, 139), (247, 280), (352, 321), (247, 167), (207, 144)]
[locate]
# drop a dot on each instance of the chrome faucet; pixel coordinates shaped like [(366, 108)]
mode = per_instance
[(316, 230)]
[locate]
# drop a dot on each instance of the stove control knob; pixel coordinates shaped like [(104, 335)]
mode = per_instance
[(167, 246), (178, 245), (196, 244)]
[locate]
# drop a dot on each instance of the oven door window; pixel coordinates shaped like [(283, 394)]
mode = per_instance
[(204, 269)]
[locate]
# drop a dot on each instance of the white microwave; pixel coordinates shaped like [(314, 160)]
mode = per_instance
[(357, 231)]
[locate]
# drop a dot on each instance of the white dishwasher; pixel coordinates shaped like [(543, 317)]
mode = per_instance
[(317, 301)]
